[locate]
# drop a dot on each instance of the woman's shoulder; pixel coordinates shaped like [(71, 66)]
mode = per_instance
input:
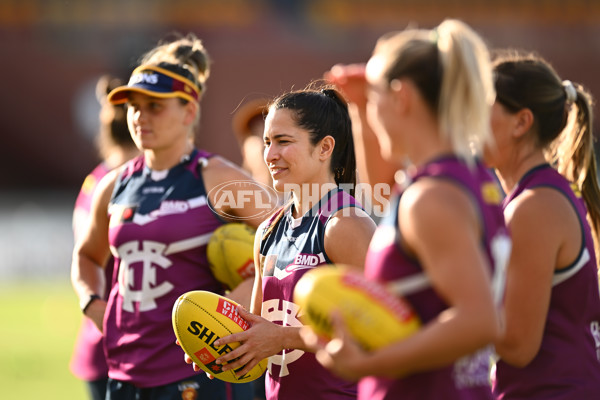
[(222, 168), (350, 222), (433, 205), (349, 218), (537, 203), (347, 235)]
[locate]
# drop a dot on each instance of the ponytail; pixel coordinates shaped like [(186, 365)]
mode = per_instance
[(183, 55), (343, 161), (450, 65), (573, 152), (563, 121), (467, 89)]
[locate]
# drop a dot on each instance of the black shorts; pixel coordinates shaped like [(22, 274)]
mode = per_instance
[(197, 387)]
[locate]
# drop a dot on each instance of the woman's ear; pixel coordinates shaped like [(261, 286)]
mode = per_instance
[(326, 146), (191, 111), (402, 92), (523, 122)]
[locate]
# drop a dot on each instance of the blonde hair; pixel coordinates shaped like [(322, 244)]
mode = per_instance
[(451, 67), (184, 55), (467, 92)]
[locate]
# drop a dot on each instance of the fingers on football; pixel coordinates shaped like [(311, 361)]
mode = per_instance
[(233, 338), (339, 327), (311, 339)]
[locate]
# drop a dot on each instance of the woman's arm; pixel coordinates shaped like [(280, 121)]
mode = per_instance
[(347, 237), (264, 338), (250, 295), (91, 251), (537, 241), (256, 300), (244, 200), (440, 227), (373, 170)]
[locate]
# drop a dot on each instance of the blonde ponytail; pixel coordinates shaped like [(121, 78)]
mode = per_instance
[(467, 88), (186, 52), (451, 67)]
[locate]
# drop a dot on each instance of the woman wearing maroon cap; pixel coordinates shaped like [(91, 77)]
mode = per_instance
[(155, 215)]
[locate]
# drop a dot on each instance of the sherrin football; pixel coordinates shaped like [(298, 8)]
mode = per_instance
[(199, 318), (230, 253), (373, 316)]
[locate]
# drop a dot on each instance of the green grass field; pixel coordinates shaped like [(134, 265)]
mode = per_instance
[(38, 326)]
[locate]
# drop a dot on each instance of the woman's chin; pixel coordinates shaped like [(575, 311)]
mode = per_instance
[(278, 185)]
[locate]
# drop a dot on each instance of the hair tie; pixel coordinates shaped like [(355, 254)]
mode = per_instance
[(333, 94), (570, 91), (330, 93)]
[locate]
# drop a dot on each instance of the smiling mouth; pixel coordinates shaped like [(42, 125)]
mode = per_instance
[(276, 171), (142, 131)]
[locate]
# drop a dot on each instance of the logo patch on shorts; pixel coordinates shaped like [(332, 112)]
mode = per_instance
[(189, 394), (189, 390)]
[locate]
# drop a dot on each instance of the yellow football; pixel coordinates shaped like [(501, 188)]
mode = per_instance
[(230, 253), (373, 316), (199, 318)]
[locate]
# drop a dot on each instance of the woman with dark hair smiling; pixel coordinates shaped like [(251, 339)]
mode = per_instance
[(310, 155)]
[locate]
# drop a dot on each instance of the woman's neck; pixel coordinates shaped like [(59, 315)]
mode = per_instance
[(167, 158), (427, 142), (120, 155), (517, 166)]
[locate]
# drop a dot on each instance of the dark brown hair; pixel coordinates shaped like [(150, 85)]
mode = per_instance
[(322, 111), (113, 119), (562, 120)]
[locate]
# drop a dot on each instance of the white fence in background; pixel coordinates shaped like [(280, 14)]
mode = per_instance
[(36, 238)]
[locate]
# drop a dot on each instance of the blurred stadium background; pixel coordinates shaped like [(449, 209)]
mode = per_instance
[(53, 51)]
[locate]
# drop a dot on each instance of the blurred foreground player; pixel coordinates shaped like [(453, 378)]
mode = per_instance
[(429, 98)]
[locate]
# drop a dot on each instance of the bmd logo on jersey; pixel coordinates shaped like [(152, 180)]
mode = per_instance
[(301, 262), (309, 260), (173, 207)]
